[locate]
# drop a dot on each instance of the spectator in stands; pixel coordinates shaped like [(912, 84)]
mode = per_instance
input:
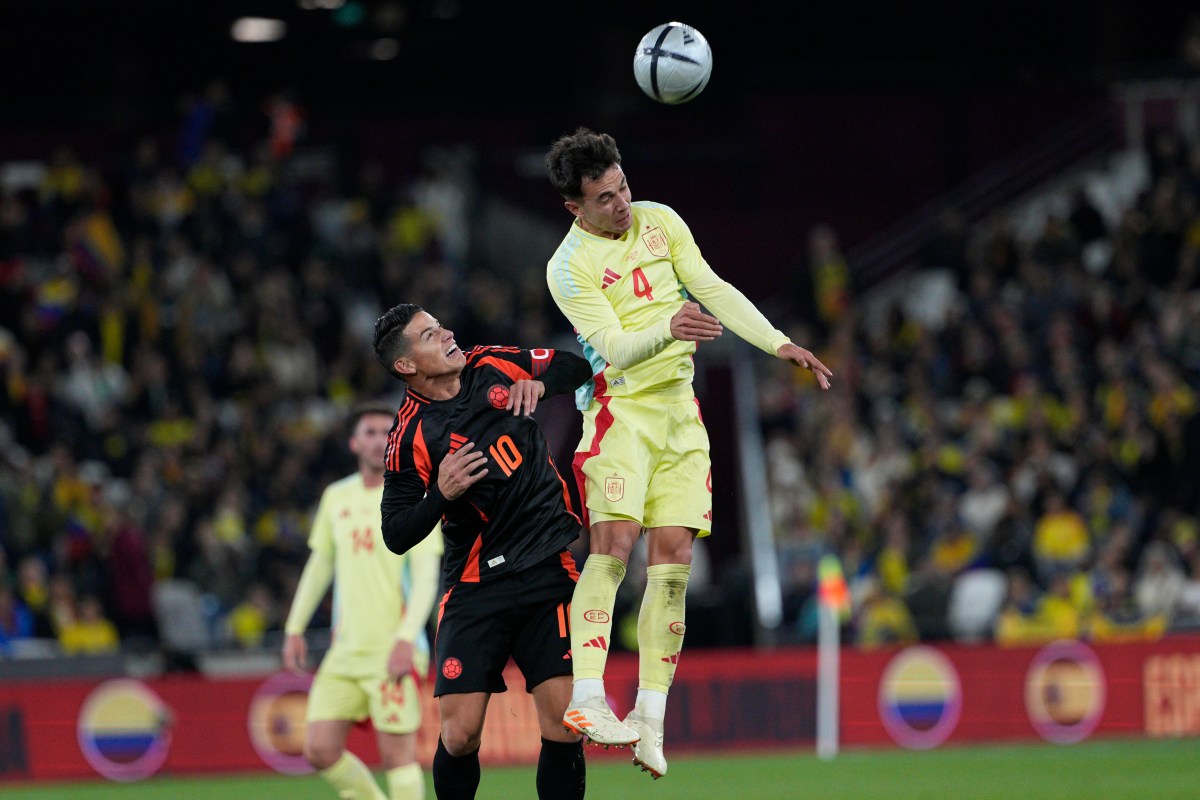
[(1060, 537), (1159, 583), (881, 619), (16, 620), (253, 617), (89, 633)]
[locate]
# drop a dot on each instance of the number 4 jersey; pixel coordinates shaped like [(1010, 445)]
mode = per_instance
[(520, 513), (620, 295)]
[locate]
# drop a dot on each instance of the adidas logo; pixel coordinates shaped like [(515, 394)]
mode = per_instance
[(457, 440), (599, 641), (708, 515), (609, 278), (579, 719), (672, 659)]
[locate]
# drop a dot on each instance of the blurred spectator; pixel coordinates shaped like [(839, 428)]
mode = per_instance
[(90, 632), (16, 620), (882, 620), (1060, 537), (1159, 582), (1031, 617), (33, 591), (253, 617)]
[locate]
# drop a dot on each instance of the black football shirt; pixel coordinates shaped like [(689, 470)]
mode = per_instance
[(520, 513)]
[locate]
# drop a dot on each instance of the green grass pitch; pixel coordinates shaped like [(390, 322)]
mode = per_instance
[(1097, 770)]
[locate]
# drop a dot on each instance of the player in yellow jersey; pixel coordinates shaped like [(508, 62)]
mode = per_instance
[(382, 603), (624, 277)]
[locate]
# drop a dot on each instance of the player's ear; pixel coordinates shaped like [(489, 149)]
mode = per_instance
[(404, 366), (573, 207)]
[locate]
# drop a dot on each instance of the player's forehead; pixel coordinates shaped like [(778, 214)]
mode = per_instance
[(422, 324), (372, 421), (608, 183)]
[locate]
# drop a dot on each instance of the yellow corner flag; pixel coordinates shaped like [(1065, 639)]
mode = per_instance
[(831, 585)]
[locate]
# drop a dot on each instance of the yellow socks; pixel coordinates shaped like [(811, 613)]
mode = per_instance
[(406, 783), (661, 625), (591, 614), (352, 780)]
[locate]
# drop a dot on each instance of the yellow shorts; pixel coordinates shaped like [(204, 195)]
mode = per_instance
[(647, 461), (392, 707)]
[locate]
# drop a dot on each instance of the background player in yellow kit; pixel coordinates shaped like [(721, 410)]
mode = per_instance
[(382, 603), (623, 277)]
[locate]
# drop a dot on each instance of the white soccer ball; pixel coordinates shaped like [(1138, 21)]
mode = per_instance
[(673, 63)]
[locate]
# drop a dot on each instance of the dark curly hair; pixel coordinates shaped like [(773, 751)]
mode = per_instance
[(581, 155)]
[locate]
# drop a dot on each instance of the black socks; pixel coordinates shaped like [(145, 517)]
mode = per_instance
[(561, 771), (455, 777)]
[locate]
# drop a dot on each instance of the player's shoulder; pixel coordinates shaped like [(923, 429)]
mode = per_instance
[(493, 356), (341, 486), (482, 351), (568, 250), (651, 209)]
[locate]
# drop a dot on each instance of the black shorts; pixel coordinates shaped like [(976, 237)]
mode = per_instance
[(523, 616)]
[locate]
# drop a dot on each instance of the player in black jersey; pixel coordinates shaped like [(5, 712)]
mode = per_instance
[(465, 450)]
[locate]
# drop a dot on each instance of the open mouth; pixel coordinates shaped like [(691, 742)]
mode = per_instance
[(450, 351)]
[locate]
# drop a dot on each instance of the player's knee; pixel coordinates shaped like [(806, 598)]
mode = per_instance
[(321, 755), (458, 739)]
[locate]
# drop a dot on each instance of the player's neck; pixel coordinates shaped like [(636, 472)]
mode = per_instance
[(371, 478), (597, 231), (437, 387)]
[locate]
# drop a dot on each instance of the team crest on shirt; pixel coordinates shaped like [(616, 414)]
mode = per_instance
[(614, 488), (498, 396), (656, 242)]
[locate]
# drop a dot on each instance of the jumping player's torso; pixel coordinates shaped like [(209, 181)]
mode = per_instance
[(638, 277)]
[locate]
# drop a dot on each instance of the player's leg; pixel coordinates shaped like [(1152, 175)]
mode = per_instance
[(660, 638), (561, 769), (609, 471), (542, 651), (591, 631), (334, 704), (456, 762), (396, 716), (473, 643), (678, 508)]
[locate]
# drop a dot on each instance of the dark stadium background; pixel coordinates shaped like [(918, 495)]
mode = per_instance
[(851, 113)]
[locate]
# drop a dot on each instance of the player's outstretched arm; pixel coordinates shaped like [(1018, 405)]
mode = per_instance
[(805, 359)]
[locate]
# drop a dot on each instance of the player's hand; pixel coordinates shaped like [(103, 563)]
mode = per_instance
[(690, 324), (460, 471), (803, 358), (295, 653), (523, 397), (400, 662)]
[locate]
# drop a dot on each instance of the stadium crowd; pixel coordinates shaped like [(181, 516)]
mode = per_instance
[(1027, 454), (183, 327)]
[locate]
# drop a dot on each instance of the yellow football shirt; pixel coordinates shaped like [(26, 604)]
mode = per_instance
[(368, 580), (609, 287)]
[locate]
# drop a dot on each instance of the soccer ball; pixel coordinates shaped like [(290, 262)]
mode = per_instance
[(673, 63)]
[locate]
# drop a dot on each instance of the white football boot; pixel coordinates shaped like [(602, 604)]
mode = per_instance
[(648, 752), (595, 720)]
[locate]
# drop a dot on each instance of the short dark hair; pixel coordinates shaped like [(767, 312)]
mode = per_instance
[(389, 342), (366, 408), (581, 155)]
